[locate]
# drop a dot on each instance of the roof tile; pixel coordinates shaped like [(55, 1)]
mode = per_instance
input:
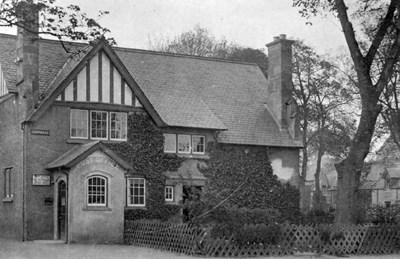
[(185, 91)]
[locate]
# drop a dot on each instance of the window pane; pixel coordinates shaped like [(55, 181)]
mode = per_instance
[(78, 123), (184, 143), (99, 124), (8, 182), (136, 192), (118, 127), (96, 191), (170, 143), (169, 193), (198, 144)]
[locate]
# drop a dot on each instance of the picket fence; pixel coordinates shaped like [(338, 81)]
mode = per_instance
[(327, 239)]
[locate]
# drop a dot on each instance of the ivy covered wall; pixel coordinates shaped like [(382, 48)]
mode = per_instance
[(245, 175), (244, 171), (144, 151)]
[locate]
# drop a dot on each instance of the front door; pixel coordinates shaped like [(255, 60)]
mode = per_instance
[(62, 210)]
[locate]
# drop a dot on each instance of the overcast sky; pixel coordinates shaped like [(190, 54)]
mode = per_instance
[(251, 23)]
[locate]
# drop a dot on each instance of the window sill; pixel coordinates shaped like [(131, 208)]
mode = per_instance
[(135, 207), (95, 208), (171, 203), (84, 141), (8, 199), (195, 156)]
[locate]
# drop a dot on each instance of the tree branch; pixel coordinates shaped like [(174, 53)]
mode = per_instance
[(380, 35)]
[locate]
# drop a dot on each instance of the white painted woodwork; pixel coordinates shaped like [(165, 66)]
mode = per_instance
[(106, 85), (138, 103), (117, 87), (69, 92), (128, 95), (105, 79), (94, 79), (81, 82)]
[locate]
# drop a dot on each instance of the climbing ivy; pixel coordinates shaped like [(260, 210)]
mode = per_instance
[(244, 174), (144, 151), (238, 178)]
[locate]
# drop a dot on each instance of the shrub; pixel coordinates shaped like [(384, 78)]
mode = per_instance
[(383, 215), (246, 177), (248, 234), (259, 234), (318, 217)]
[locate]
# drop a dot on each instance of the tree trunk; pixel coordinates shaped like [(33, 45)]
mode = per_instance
[(304, 195), (317, 199), (349, 170)]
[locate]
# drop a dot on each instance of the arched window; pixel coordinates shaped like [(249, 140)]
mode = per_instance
[(97, 191)]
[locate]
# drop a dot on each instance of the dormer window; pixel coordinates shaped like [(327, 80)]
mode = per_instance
[(184, 144), (103, 125)]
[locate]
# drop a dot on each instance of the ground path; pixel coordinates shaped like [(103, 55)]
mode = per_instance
[(56, 250)]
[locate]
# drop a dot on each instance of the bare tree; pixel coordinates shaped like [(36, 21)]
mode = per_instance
[(370, 83), (321, 99)]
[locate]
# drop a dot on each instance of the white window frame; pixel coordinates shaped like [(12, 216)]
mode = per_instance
[(190, 144), (175, 144), (169, 190), (204, 145), (71, 124), (8, 190), (105, 191), (125, 125), (129, 196), (107, 124)]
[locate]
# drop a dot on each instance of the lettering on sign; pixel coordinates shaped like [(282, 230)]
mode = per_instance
[(40, 132), (41, 179), (98, 160)]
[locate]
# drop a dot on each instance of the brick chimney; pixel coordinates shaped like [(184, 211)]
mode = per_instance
[(27, 55), (279, 100)]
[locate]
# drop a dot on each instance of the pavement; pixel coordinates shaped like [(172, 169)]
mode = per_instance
[(43, 249)]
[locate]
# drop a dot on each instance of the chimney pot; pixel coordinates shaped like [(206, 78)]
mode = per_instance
[(276, 38), (282, 36)]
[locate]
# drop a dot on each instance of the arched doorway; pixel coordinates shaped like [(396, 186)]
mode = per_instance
[(62, 210)]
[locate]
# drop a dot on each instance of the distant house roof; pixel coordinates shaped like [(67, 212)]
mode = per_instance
[(185, 91), (375, 178)]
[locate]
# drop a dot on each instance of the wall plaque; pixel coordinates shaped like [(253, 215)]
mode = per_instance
[(40, 132), (41, 179)]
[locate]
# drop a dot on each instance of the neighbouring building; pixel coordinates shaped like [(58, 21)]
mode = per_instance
[(59, 113), (383, 182)]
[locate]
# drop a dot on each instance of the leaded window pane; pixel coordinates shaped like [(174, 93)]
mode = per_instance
[(184, 143)]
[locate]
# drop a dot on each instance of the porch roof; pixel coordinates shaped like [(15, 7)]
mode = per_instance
[(79, 153), (187, 174)]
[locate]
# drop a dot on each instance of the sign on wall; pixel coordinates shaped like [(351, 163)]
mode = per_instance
[(40, 132), (41, 179)]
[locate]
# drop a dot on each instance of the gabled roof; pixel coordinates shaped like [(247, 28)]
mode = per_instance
[(185, 91), (375, 178), (79, 153), (181, 87)]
